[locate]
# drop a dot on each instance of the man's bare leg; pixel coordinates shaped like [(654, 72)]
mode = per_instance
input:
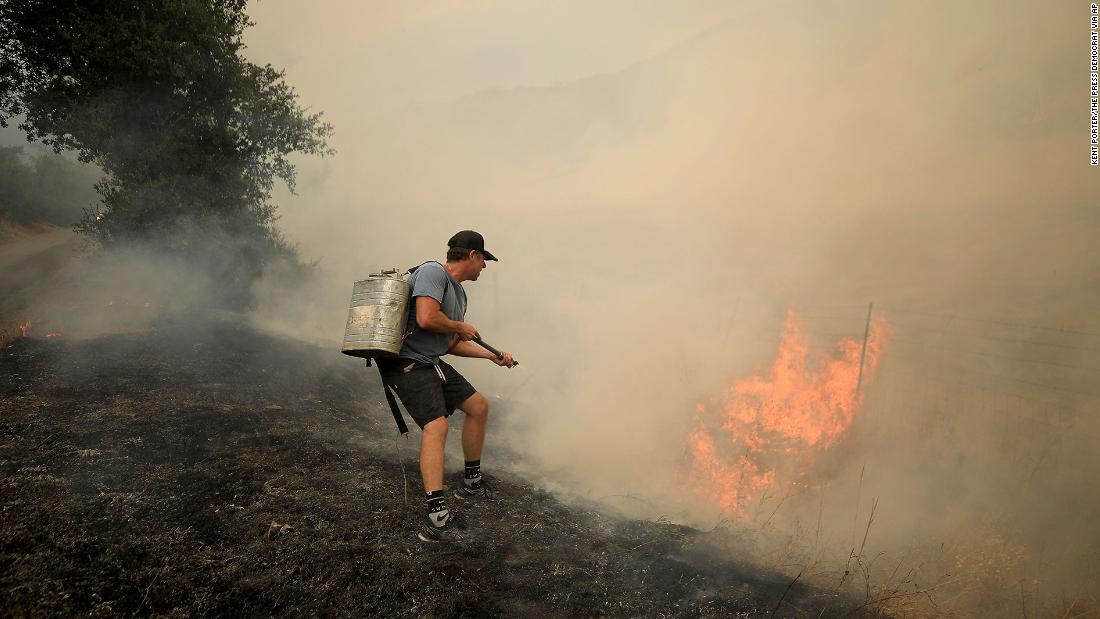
[(476, 408), (432, 442)]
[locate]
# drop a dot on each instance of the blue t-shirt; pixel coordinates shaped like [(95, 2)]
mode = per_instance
[(432, 280)]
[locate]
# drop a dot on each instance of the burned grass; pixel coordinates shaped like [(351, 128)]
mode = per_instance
[(213, 470)]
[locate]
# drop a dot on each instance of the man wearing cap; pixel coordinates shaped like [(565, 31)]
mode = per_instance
[(430, 388)]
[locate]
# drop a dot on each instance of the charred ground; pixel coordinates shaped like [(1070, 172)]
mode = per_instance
[(150, 473)]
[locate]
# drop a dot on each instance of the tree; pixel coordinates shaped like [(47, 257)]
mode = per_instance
[(191, 135), (44, 187)]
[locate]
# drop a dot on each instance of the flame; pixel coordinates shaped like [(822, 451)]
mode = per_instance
[(9, 334), (770, 427), (110, 301), (53, 334)]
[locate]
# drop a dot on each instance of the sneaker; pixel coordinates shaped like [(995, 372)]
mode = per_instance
[(478, 490), (432, 533)]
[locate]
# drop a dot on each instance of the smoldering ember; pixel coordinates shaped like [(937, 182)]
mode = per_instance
[(663, 344)]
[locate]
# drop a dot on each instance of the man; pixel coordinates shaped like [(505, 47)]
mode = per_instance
[(431, 389)]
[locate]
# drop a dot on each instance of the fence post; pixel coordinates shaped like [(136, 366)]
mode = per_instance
[(863, 352)]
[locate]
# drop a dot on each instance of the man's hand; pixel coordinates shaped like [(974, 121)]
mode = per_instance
[(507, 361), (466, 331)]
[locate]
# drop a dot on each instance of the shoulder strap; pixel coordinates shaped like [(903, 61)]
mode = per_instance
[(413, 269), (404, 429), (446, 286), (415, 326)]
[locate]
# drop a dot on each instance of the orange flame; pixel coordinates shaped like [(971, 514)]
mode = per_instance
[(771, 426), (25, 327), (53, 334)]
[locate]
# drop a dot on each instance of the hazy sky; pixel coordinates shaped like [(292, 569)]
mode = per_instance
[(402, 53), (915, 144)]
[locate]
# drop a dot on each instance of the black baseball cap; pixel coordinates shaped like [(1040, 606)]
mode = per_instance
[(468, 239)]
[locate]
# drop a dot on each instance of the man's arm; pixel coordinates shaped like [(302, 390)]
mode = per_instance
[(467, 349), (430, 317)]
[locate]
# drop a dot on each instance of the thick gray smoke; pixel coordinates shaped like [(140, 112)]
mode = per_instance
[(662, 185)]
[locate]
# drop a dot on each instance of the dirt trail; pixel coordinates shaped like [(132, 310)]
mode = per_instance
[(32, 257), (29, 250)]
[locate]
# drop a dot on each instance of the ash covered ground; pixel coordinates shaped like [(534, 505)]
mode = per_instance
[(152, 473)]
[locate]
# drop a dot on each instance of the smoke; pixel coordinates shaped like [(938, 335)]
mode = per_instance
[(127, 290), (661, 186)]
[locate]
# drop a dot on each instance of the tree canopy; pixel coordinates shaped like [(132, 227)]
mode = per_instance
[(157, 93)]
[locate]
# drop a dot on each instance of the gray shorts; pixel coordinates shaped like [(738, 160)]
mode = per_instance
[(424, 392)]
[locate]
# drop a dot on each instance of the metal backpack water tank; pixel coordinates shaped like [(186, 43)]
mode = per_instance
[(379, 311)]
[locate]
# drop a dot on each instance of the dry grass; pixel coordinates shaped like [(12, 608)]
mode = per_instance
[(206, 469)]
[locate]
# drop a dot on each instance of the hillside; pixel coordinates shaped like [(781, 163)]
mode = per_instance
[(152, 473)]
